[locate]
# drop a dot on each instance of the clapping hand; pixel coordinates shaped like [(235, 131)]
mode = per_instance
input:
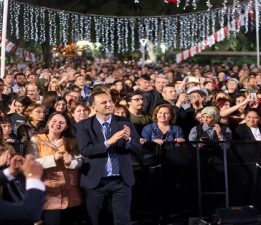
[(67, 158), (58, 155), (16, 164), (31, 168), (122, 134), (158, 141), (5, 158), (142, 141), (126, 135)]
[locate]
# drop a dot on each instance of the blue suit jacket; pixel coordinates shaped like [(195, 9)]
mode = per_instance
[(90, 141), (29, 210)]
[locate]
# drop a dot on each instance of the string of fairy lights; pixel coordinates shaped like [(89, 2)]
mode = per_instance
[(123, 34)]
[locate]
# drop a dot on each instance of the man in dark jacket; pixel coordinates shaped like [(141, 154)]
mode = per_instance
[(154, 97), (105, 141), (30, 209)]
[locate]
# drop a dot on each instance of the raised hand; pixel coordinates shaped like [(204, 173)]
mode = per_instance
[(67, 158), (16, 164), (31, 168)]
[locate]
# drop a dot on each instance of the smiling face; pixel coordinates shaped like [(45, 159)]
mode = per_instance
[(19, 108), (252, 119), (80, 113), (164, 115), (103, 105), (60, 106), (57, 124)]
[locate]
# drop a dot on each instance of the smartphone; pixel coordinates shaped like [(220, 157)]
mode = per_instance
[(185, 105), (253, 95)]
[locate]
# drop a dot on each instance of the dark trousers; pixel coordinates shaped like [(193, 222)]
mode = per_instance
[(67, 216), (120, 196)]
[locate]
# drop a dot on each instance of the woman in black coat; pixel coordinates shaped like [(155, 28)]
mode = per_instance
[(246, 150)]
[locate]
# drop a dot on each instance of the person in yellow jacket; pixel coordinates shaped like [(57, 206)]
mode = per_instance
[(56, 151)]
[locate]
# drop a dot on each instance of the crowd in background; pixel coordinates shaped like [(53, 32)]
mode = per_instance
[(41, 106)]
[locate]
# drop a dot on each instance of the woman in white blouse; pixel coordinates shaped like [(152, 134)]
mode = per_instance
[(251, 129)]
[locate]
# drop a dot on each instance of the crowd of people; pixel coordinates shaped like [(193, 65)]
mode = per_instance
[(89, 124)]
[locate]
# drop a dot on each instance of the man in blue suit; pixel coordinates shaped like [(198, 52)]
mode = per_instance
[(105, 141), (30, 209)]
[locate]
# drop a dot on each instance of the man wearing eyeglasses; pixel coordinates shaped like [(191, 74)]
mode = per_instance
[(135, 103)]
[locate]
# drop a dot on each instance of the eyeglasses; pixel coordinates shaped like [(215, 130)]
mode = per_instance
[(137, 99)]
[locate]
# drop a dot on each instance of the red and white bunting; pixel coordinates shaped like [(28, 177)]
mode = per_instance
[(218, 36), (12, 48)]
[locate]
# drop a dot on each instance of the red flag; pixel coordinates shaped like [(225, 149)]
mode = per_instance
[(172, 1)]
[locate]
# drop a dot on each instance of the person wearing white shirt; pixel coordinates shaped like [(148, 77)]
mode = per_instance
[(250, 130), (30, 209)]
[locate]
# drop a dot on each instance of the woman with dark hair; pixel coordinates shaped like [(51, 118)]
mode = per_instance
[(8, 135), (247, 138), (225, 108), (48, 102), (251, 129), (35, 114), (18, 118), (60, 104), (56, 150), (219, 94)]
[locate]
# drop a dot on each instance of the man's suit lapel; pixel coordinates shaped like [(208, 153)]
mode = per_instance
[(252, 137), (114, 125), (97, 128)]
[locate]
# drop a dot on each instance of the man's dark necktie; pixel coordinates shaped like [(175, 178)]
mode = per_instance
[(112, 154)]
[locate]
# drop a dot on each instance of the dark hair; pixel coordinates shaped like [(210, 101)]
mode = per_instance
[(257, 111), (69, 141), (1, 136), (73, 87), (24, 100), (5, 120), (94, 94), (221, 102), (18, 74), (129, 96), (49, 99), (66, 132), (68, 91)]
